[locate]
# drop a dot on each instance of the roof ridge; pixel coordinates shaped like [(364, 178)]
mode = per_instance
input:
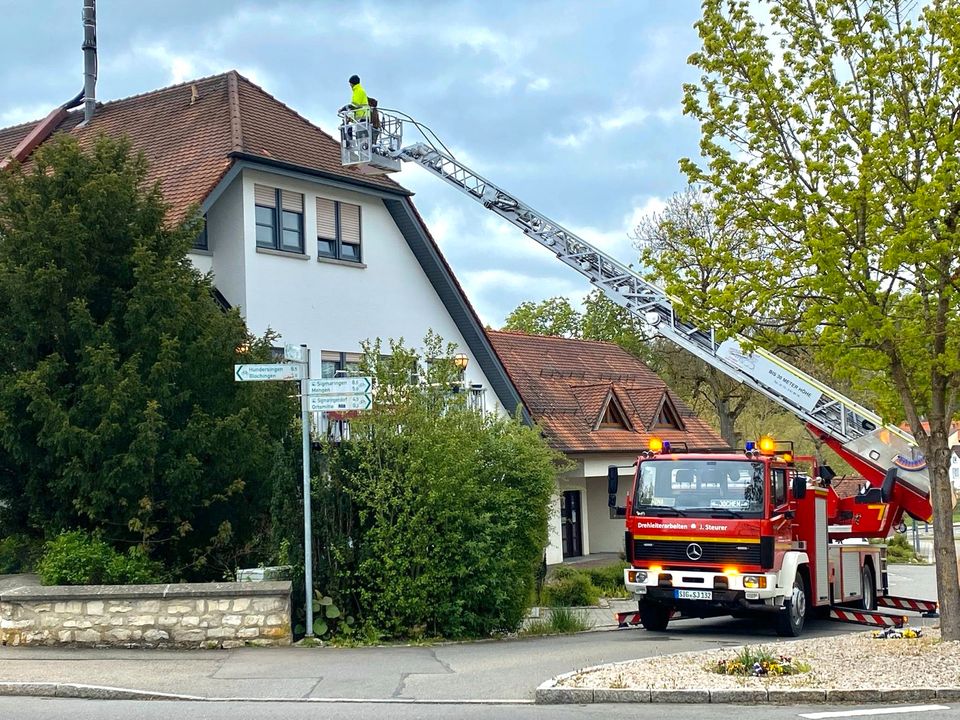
[(233, 102), (558, 337), (157, 91)]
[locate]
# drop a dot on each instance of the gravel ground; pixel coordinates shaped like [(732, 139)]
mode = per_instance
[(843, 663)]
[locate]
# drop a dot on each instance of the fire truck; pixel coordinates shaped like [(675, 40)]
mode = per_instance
[(717, 531)]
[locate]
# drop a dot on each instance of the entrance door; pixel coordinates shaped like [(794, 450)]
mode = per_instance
[(570, 527)]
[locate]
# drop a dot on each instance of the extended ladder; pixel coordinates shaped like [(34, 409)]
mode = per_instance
[(855, 432)]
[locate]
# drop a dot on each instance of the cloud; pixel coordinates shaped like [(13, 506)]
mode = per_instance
[(594, 127), (25, 113), (539, 84)]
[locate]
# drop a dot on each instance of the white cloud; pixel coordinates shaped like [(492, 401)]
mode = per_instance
[(24, 113), (539, 84), (601, 124)]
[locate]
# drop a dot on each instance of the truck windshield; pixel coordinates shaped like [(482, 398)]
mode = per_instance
[(732, 488)]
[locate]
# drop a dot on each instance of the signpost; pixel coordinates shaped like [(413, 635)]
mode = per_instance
[(349, 393), (341, 386), (267, 371), (324, 403)]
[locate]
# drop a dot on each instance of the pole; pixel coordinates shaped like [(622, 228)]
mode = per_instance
[(89, 59), (307, 530)]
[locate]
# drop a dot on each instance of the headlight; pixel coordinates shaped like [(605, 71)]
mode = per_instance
[(636, 576), (754, 581)]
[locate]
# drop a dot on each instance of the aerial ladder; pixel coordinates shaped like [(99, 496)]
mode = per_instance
[(887, 457)]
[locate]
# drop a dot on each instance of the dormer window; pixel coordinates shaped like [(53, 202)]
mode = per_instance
[(613, 417), (667, 417)]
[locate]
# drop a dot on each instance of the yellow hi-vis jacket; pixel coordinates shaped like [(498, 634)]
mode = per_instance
[(359, 101)]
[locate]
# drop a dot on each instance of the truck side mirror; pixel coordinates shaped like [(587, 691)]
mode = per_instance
[(613, 479), (799, 487)]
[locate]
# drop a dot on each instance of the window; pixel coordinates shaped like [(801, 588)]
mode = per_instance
[(279, 218), (338, 364), (778, 478), (200, 242), (338, 230), (699, 488), (613, 417), (667, 416)]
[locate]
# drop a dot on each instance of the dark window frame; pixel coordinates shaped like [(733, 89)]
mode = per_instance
[(337, 243), (201, 242), (277, 225)]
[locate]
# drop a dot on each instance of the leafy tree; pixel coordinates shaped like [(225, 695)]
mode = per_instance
[(118, 407), (447, 506), (555, 316), (831, 141)]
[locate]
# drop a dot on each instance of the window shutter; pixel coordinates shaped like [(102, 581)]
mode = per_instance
[(291, 201), (326, 219), (329, 356), (265, 196), (350, 223)]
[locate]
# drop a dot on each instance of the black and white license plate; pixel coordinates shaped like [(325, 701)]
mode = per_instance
[(693, 594)]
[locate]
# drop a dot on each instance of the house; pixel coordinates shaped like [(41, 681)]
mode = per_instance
[(599, 406), (319, 253)]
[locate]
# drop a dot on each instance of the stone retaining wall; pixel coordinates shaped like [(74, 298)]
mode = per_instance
[(211, 615)]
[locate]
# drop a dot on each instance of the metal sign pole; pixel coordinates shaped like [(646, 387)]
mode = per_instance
[(307, 530)]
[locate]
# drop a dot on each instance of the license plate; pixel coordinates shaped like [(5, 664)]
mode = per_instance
[(693, 594)]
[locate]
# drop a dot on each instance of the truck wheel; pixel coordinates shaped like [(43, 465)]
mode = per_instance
[(869, 601), (790, 620), (655, 617)]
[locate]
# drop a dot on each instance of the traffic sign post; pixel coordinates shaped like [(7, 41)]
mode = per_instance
[(324, 403), (341, 386), (268, 371)]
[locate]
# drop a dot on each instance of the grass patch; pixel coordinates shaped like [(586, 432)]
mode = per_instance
[(561, 620), (758, 662)]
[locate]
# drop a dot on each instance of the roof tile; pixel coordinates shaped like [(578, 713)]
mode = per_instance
[(564, 382)]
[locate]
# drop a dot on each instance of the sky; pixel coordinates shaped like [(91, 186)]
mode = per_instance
[(573, 106)]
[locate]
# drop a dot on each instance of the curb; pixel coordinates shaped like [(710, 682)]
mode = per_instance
[(549, 693), (104, 692)]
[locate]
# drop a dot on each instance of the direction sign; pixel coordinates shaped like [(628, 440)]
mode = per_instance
[(320, 403), (340, 386), (267, 371)]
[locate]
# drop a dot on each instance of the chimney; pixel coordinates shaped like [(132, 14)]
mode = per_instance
[(89, 59)]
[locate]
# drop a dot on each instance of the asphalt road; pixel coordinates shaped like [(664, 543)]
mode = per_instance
[(56, 709)]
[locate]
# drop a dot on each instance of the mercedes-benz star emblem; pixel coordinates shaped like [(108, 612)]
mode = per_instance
[(694, 551)]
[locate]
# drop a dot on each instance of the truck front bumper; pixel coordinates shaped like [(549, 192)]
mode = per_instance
[(682, 587)]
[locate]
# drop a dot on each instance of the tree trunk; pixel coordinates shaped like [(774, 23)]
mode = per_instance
[(727, 429), (944, 545)]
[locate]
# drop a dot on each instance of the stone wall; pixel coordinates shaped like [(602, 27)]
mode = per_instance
[(211, 615)]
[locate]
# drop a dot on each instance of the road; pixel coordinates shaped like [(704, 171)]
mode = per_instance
[(462, 673), (56, 709)]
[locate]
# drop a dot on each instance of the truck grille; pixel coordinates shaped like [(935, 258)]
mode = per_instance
[(714, 553)]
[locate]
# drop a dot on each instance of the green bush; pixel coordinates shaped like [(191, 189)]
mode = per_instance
[(609, 580), (434, 516), (571, 591), (18, 553), (78, 558), (899, 550)]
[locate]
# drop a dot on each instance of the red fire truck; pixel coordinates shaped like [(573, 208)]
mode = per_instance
[(716, 532), (757, 530)]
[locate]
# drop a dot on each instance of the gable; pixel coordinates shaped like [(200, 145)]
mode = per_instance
[(612, 416), (666, 417)]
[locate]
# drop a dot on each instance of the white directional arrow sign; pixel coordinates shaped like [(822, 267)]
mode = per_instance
[(266, 371), (320, 403), (340, 386)]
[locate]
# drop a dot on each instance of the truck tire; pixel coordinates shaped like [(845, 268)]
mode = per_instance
[(655, 616), (790, 620), (869, 601)]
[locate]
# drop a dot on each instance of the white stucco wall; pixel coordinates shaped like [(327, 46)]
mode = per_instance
[(325, 305), (226, 220)]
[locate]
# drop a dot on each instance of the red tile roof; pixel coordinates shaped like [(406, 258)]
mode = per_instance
[(564, 384), (191, 143)]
